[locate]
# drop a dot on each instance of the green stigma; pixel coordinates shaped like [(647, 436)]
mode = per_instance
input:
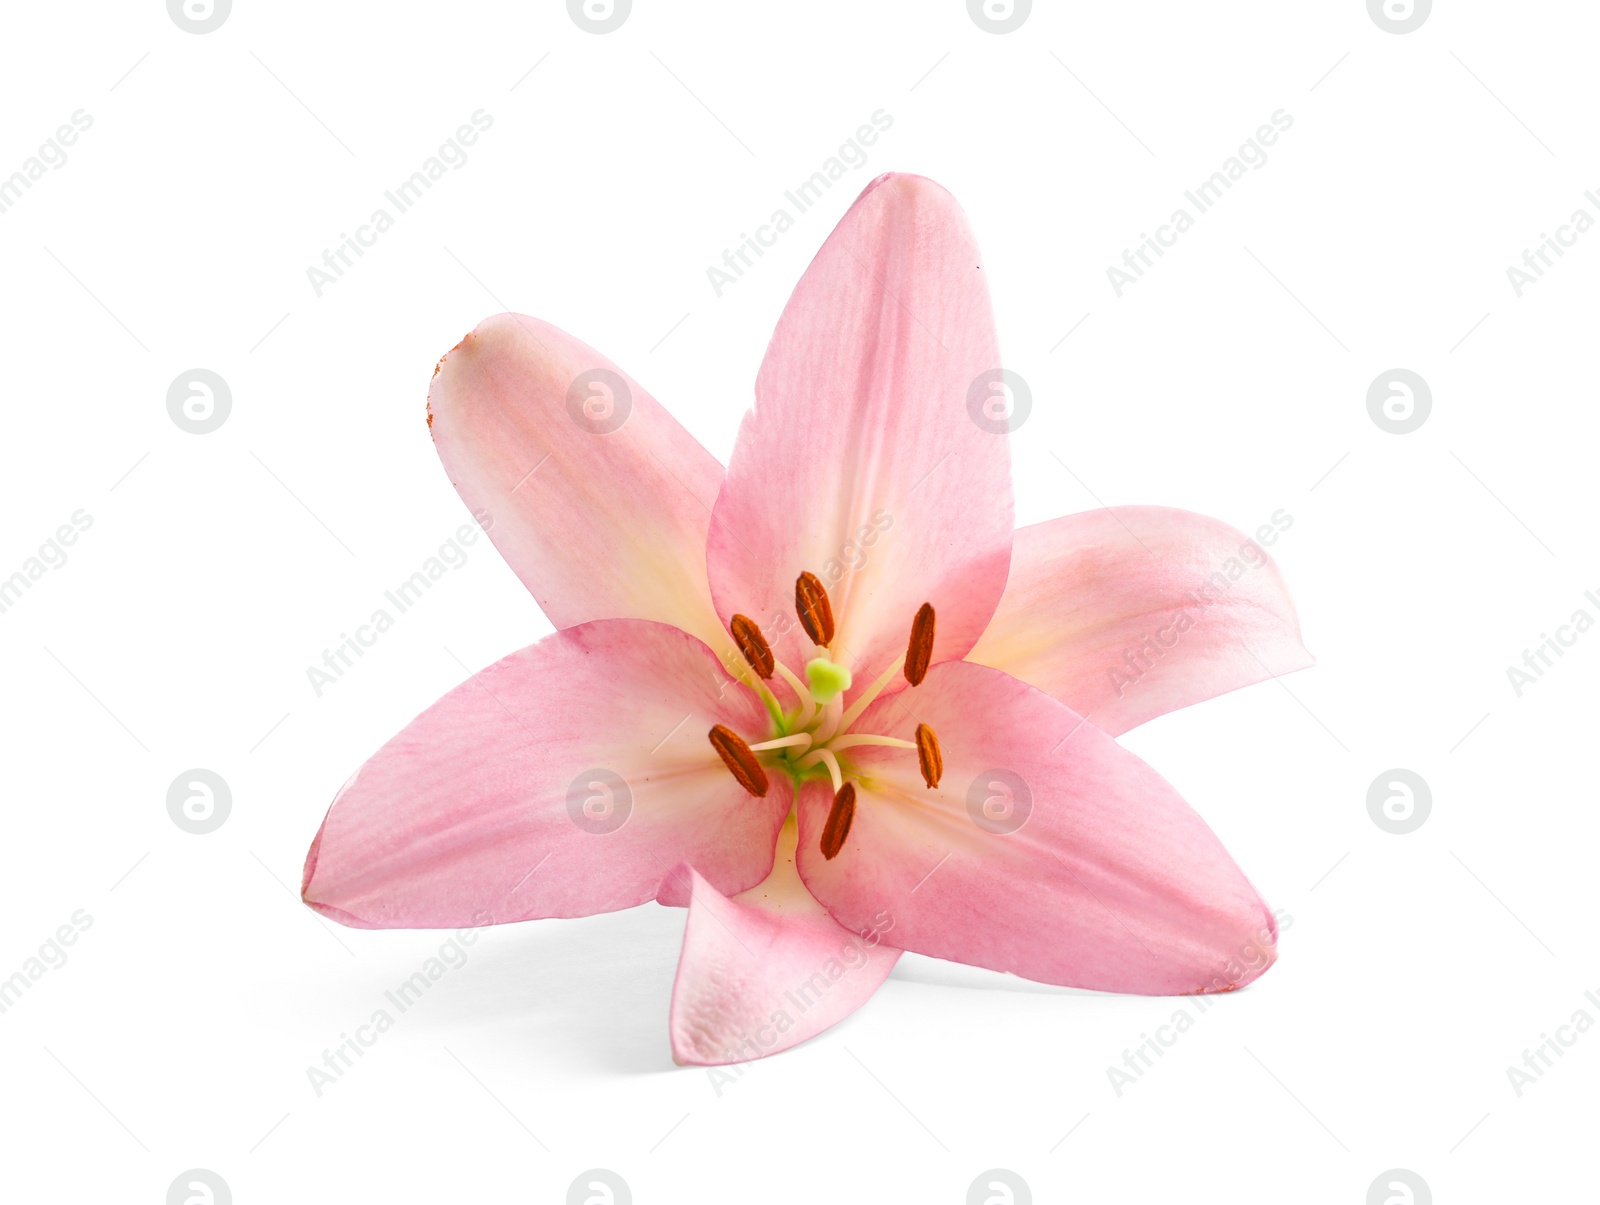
[(827, 679)]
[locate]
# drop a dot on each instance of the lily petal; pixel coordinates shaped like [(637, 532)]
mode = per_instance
[(1128, 613), (1110, 881), (765, 970), (861, 462), (564, 780), (597, 498)]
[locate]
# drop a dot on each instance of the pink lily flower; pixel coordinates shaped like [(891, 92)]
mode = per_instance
[(827, 699)]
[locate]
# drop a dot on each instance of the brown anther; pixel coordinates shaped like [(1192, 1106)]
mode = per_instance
[(929, 756), (919, 650), (839, 817), (752, 644), (740, 760), (816, 612)]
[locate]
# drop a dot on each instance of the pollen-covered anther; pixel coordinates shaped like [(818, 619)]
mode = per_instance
[(752, 644), (740, 760), (919, 649), (840, 815), (930, 759), (815, 611)]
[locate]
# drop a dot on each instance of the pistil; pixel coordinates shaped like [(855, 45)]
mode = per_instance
[(828, 721), (828, 679)]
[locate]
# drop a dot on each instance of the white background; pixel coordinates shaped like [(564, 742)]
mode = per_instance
[(1231, 380)]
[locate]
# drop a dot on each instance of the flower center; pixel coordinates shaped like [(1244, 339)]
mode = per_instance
[(814, 733)]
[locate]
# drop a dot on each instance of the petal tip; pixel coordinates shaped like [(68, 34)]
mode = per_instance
[(685, 1053), (1251, 960), (909, 182), (310, 867), (487, 330), (906, 193), (677, 887)]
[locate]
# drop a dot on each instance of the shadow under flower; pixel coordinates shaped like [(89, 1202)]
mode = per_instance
[(587, 996), (936, 972)]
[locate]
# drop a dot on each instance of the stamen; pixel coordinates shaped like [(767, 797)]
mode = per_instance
[(840, 816), (768, 699), (866, 738), (865, 697), (930, 759), (815, 611), (821, 756), (803, 739), (808, 705), (919, 651), (740, 760), (752, 644)]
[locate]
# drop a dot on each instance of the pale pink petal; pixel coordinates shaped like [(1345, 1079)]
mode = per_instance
[(602, 512), (861, 462), (564, 780), (767, 969), (1111, 881), (1128, 613)]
